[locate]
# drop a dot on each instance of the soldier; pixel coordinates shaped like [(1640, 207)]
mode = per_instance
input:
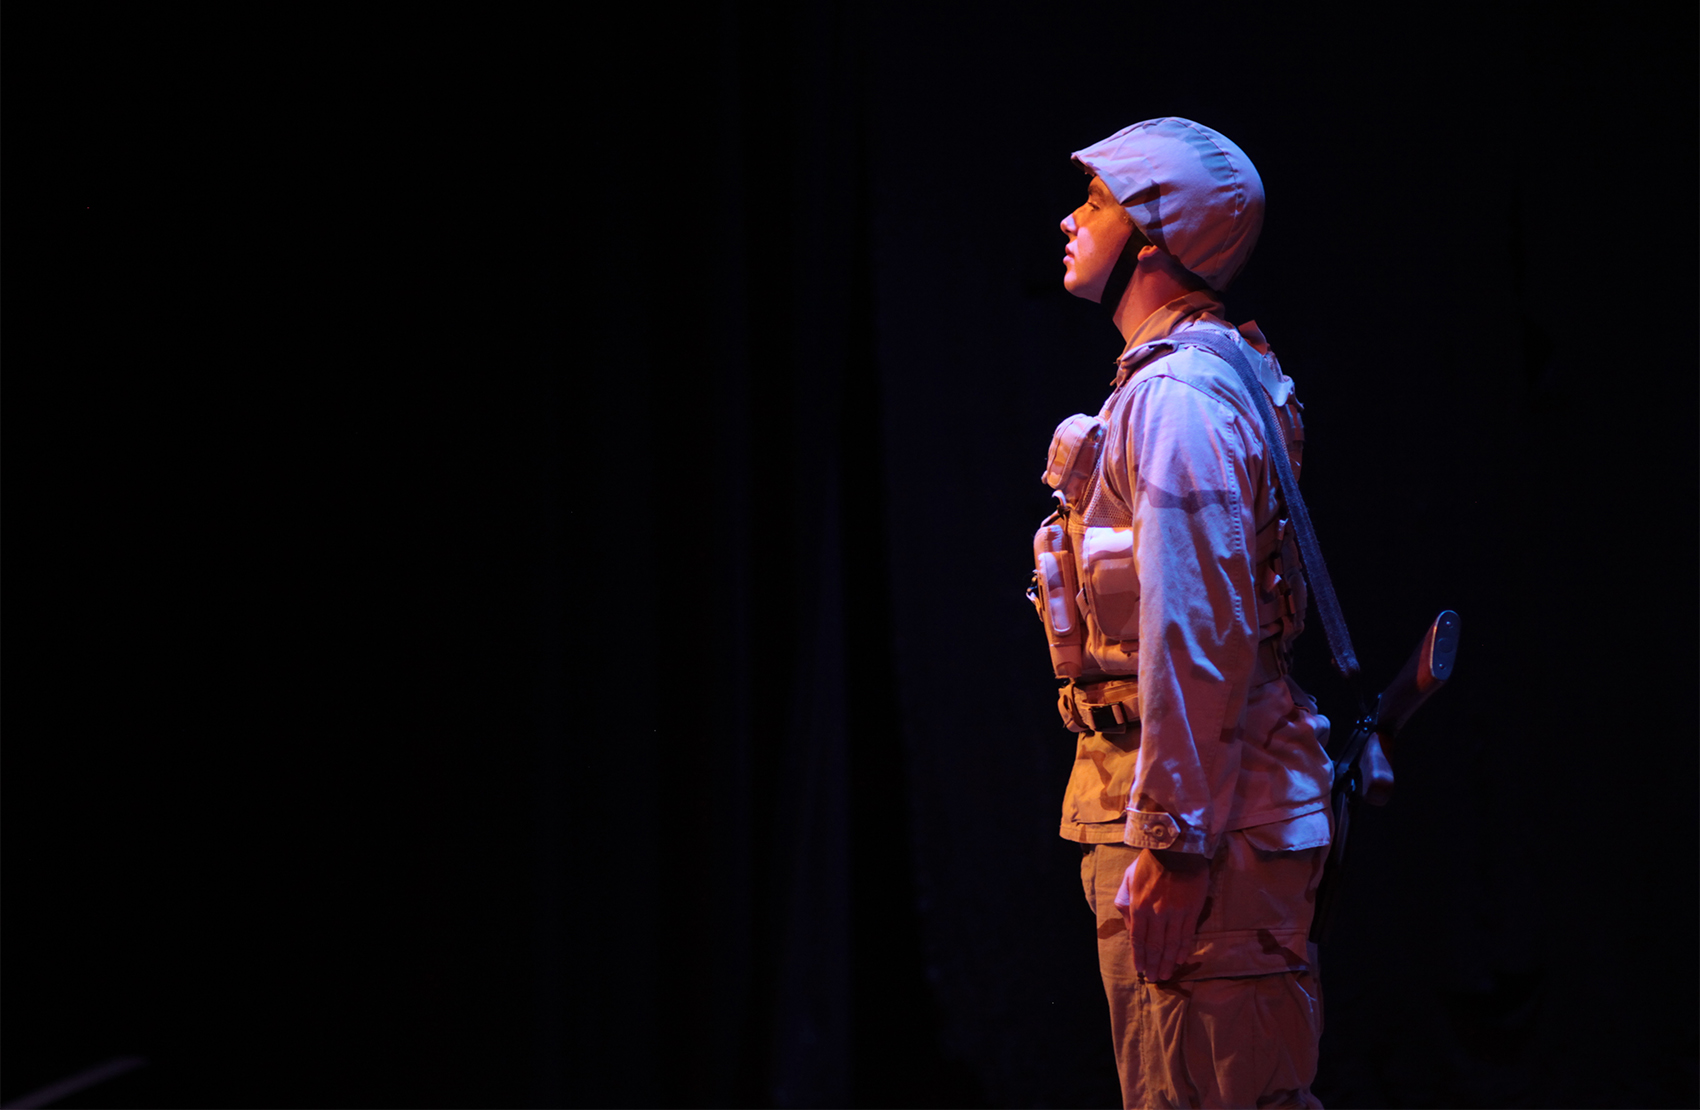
[(1169, 584)]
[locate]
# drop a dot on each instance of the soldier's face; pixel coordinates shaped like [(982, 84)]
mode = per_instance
[(1096, 232)]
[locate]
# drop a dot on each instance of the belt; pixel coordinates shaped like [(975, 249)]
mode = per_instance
[(1111, 705)]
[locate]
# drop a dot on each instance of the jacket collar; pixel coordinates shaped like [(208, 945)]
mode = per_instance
[(1178, 313)]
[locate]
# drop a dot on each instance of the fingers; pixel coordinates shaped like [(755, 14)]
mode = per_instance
[(1377, 782), (1156, 941), (1136, 930), (1166, 954), (1146, 927), (1161, 905)]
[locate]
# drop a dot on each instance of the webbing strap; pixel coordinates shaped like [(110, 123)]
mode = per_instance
[(1315, 570)]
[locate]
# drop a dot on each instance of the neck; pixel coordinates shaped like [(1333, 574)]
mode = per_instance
[(1157, 279), (1150, 289)]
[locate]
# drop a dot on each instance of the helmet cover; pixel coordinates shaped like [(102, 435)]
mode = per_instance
[(1189, 189)]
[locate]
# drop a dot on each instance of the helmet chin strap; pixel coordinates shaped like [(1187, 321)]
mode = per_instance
[(1122, 272)]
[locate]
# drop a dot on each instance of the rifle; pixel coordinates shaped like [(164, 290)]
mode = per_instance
[(1425, 672), (1428, 669)]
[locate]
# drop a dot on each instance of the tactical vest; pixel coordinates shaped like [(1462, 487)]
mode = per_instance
[(1086, 580)]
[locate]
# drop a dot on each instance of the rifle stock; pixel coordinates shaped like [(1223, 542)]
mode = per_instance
[(1425, 672)]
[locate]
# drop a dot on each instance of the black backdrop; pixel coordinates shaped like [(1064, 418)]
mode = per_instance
[(516, 534)]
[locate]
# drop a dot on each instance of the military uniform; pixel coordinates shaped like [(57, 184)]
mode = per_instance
[(1170, 587), (1189, 596)]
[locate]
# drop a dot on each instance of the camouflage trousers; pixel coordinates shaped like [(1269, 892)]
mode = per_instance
[(1240, 1041)]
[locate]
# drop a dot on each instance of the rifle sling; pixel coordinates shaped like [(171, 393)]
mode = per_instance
[(1315, 570)]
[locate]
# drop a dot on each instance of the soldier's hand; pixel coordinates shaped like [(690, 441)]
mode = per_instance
[(1375, 784), (1161, 898)]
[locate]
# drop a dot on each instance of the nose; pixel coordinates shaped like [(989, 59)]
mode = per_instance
[(1068, 225)]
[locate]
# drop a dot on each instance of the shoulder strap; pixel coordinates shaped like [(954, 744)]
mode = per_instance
[(1315, 570)]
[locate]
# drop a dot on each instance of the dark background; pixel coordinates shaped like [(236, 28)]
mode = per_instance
[(516, 532)]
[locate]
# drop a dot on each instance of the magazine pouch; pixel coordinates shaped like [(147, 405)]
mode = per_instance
[(1053, 594), (1073, 456)]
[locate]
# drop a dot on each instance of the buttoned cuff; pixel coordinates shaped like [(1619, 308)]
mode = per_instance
[(1159, 830)]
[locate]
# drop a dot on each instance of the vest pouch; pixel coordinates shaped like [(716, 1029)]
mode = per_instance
[(1054, 589), (1073, 456), (1109, 589)]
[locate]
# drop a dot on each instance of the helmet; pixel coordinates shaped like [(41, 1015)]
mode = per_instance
[(1189, 190)]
